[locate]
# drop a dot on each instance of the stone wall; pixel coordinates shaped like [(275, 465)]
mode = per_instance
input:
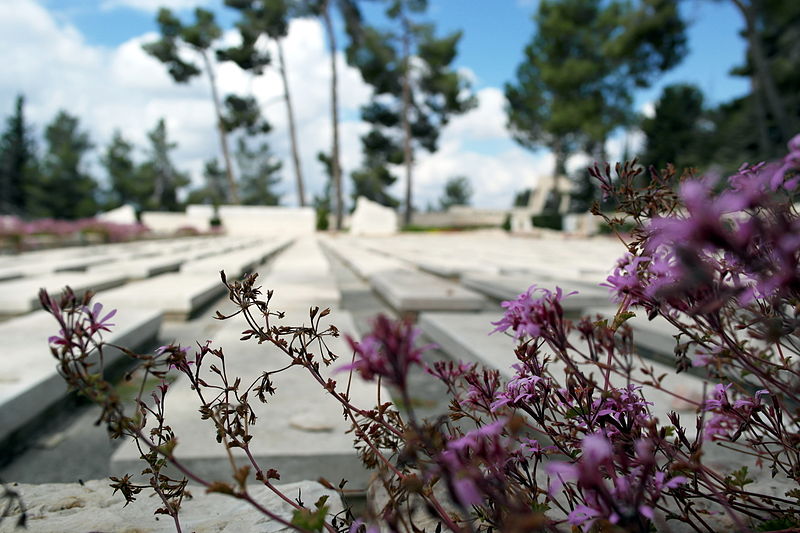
[(460, 217)]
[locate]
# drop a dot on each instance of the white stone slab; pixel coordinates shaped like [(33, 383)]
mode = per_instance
[(263, 220), (410, 291), (168, 222), (29, 383), (141, 268), (372, 218), (236, 262), (91, 506), (509, 287), (301, 277), (466, 337), (300, 431), (177, 295), (124, 214), (363, 262), (22, 295)]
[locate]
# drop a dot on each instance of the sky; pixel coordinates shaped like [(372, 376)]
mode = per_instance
[(85, 56)]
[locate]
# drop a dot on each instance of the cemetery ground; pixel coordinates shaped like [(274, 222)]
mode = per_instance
[(167, 292)]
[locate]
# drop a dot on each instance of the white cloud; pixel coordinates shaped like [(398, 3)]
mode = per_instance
[(151, 5), (487, 121)]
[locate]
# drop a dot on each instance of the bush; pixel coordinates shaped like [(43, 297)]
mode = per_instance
[(548, 220)]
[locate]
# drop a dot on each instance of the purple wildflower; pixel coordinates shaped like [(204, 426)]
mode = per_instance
[(533, 316), (387, 351)]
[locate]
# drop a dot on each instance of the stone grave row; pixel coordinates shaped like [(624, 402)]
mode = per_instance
[(404, 288), (30, 385), (20, 296), (180, 295), (455, 255), (80, 258)]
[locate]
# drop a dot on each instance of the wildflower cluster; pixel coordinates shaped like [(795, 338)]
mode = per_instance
[(570, 440), (18, 232)]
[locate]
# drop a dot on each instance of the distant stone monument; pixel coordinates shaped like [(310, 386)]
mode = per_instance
[(371, 218), (550, 189), (124, 214), (550, 195)]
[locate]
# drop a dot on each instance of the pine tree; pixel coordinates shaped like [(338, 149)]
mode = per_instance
[(586, 58), (17, 160), (264, 20), (158, 173), (351, 15), (63, 188), (199, 37), (259, 170), (676, 132), (213, 190), (457, 191), (126, 187), (422, 94)]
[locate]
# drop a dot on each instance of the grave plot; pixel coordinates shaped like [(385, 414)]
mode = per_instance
[(300, 431), (301, 277), (141, 268), (236, 261), (509, 287), (29, 383), (466, 337), (445, 261), (181, 295), (409, 291), (363, 262), (21, 296), (177, 295)]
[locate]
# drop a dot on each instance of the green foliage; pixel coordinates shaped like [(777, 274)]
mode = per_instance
[(584, 193), (63, 188), (214, 191), (17, 160), (548, 220), (323, 202), (198, 36), (244, 113), (457, 191), (123, 177), (575, 84), (372, 182), (258, 174), (522, 198), (678, 131), (158, 173), (506, 225), (311, 520)]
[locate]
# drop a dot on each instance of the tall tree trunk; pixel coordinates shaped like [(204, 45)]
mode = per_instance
[(233, 193), (298, 170), (765, 81), (561, 159), (408, 155), (336, 169), (760, 115)]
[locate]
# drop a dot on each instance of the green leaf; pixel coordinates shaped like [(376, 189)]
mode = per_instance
[(311, 520)]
